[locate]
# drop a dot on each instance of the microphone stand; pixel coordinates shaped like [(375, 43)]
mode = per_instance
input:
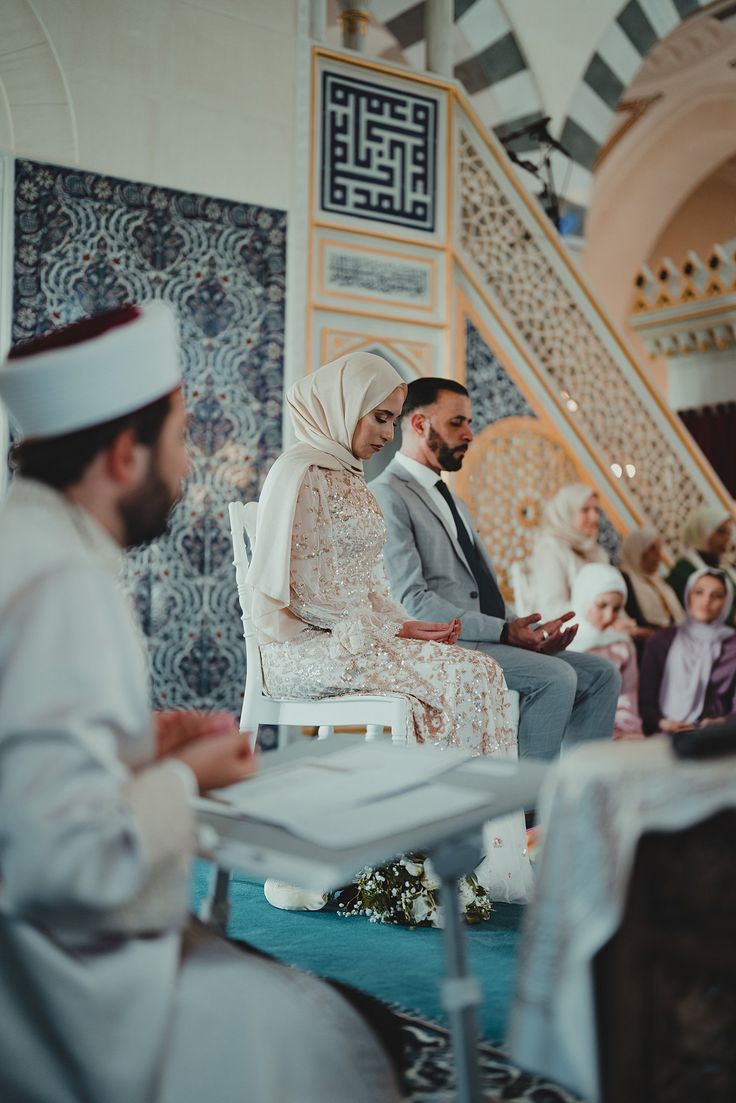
[(538, 131)]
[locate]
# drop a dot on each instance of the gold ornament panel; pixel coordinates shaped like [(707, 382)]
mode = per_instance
[(519, 277), (419, 356), (513, 468)]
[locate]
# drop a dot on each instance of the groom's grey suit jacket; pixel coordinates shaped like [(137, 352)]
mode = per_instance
[(426, 567)]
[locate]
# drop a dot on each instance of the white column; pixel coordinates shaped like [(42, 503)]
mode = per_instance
[(354, 21), (438, 16), (318, 20)]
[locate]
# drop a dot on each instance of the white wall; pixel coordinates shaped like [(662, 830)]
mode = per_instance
[(191, 94)]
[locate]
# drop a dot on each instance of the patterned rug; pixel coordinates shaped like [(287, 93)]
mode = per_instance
[(429, 1071)]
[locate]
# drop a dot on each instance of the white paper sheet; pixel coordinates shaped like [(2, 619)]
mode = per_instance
[(381, 818), (354, 795)]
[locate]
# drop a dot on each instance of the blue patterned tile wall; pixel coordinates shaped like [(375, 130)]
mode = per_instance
[(495, 396), (492, 390), (86, 242)]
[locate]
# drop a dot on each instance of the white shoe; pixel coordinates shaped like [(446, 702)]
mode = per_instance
[(289, 898)]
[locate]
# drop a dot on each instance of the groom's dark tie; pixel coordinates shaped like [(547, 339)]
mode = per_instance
[(491, 601)]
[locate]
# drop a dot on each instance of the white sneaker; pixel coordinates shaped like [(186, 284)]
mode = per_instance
[(289, 898)]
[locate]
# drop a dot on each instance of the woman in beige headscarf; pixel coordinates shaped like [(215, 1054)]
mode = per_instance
[(650, 601), (706, 536), (566, 541), (320, 598)]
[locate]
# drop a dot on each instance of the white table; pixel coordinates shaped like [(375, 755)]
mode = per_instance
[(453, 843)]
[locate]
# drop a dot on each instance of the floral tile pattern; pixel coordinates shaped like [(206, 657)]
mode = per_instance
[(85, 242), (492, 390)]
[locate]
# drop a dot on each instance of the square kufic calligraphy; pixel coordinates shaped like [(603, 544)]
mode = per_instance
[(379, 149)]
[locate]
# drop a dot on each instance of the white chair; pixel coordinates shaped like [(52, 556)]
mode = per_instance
[(326, 713)]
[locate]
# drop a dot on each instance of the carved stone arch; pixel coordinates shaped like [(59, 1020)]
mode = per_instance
[(411, 358), (404, 365), (514, 467), (619, 53), (616, 247), (36, 113)]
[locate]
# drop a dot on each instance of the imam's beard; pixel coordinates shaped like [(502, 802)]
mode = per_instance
[(449, 459), (145, 512)]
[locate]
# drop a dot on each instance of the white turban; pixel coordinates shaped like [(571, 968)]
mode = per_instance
[(97, 378)]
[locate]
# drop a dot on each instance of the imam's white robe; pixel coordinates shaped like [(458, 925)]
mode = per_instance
[(107, 993)]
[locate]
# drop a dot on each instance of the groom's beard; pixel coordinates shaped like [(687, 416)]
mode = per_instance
[(449, 459)]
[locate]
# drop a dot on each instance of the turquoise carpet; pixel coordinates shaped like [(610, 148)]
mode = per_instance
[(398, 965)]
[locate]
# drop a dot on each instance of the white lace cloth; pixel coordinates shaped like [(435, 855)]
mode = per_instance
[(595, 806)]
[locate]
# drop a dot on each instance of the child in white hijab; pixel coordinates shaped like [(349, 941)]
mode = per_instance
[(598, 596)]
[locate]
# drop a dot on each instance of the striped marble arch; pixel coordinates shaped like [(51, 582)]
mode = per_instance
[(488, 59), (619, 54), (491, 65)]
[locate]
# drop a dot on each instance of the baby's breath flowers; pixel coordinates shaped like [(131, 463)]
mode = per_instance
[(407, 891)]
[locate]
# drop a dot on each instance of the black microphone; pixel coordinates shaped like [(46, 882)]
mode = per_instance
[(544, 135), (528, 165), (538, 129)]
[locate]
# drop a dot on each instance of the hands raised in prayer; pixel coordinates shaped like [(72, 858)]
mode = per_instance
[(428, 631), (548, 638), (209, 743)]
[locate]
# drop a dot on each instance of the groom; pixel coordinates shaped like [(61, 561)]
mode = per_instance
[(438, 570)]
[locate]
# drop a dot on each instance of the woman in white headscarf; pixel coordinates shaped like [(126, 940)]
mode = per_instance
[(706, 536), (651, 602), (566, 541), (598, 595), (320, 598)]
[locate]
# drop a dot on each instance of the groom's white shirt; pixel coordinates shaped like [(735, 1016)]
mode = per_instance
[(427, 478)]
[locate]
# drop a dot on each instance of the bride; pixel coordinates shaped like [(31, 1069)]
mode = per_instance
[(327, 625)]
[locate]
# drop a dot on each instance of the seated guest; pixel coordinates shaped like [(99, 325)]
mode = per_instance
[(598, 594), (650, 601), (688, 674), (706, 535), (107, 993), (439, 569), (326, 623), (567, 539)]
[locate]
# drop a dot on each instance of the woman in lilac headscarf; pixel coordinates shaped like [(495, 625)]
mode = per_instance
[(688, 674)]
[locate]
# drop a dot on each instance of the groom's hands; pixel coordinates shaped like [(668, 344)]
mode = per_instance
[(549, 638)]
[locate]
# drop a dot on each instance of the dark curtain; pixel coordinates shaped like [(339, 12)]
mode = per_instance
[(714, 430)]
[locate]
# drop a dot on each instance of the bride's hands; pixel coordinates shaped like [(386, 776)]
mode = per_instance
[(428, 631)]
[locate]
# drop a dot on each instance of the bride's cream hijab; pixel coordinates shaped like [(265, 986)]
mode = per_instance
[(325, 409)]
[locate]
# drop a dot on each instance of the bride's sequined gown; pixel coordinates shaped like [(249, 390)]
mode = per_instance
[(340, 592)]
